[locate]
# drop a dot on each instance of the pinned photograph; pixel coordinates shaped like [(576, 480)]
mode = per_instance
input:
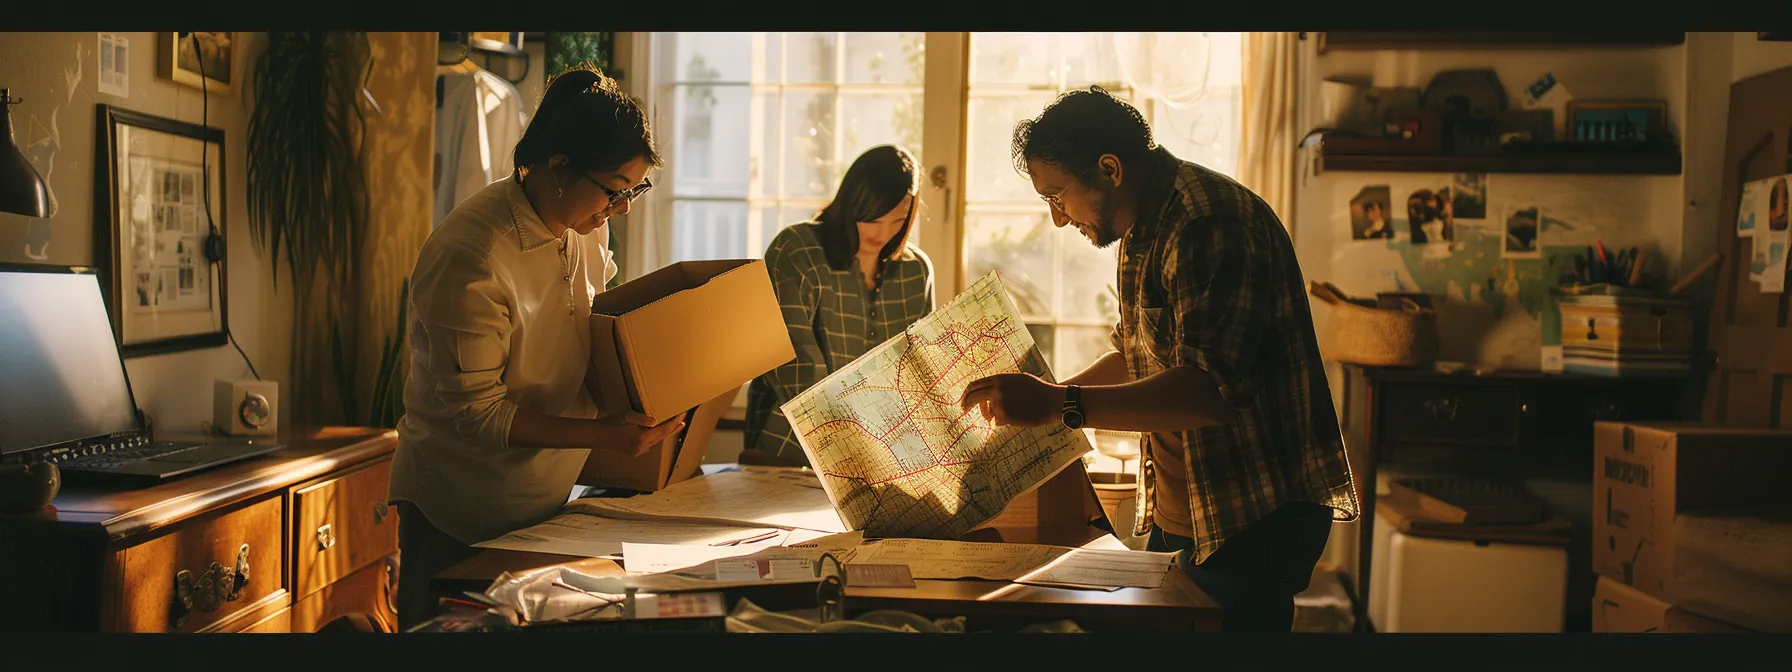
[(1369, 214), (188, 266), (1776, 205), (1470, 193), (186, 187), (1522, 226), (1430, 216), (146, 290), (1747, 209), (168, 283)]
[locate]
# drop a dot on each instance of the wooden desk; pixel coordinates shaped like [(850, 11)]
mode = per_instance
[(1505, 425), (308, 523), (1064, 511)]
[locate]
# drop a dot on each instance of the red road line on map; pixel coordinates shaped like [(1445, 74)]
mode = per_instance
[(928, 395)]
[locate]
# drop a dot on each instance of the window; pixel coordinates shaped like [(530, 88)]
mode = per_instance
[(762, 125), (1063, 286)]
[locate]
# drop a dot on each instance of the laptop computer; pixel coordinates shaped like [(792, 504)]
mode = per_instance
[(65, 397)]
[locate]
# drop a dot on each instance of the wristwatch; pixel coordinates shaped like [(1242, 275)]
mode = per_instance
[(1073, 407)]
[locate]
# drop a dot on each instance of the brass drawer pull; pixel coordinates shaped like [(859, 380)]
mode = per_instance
[(325, 538), (219, 584), (380, 509), (392, 567), (1442, 409)]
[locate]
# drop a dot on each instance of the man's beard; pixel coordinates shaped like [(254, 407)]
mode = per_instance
[(1101, 233)]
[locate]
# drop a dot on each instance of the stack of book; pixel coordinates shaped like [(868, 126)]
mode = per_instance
[(1627, 334)]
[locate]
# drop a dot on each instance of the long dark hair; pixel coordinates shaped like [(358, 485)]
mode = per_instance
[(872, 186), (585, 115)]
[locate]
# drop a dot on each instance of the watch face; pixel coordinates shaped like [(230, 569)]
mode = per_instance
[(1073, 419)]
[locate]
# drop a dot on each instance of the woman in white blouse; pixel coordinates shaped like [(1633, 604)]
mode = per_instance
[(497, 421)]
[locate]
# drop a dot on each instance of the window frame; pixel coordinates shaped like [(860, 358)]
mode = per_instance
[(943, 154)]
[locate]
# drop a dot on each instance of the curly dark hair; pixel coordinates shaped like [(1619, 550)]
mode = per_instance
[(1077, 128), (585, 115)]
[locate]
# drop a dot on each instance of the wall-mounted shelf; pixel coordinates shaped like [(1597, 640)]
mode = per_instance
[(1576, 163), (1366, 40)]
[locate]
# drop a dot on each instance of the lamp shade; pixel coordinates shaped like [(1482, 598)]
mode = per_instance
[(22, 190)]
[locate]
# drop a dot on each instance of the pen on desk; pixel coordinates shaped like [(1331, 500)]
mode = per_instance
[(749, 540)]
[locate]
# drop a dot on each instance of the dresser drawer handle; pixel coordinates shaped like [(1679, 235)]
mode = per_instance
[(219, 584), (1442, 409), (392, 567), (380, 509), (325, 538), (1608, 412)]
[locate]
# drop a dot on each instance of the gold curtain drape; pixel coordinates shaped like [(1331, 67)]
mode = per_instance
[(1266, 154)]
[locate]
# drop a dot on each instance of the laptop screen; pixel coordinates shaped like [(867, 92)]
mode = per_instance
[(62, 378)]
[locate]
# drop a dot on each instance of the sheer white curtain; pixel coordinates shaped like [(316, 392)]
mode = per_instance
[(1266, 153), (1173, 68)]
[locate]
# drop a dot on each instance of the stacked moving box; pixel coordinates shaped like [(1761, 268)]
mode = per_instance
[(1692, 529)]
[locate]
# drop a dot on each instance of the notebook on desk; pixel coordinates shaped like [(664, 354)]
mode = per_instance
[(65, 397)]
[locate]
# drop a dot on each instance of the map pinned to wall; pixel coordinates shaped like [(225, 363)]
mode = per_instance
[(895, 453)]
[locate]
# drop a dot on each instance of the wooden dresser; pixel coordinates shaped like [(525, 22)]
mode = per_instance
[(1511, 426), (288, 542)]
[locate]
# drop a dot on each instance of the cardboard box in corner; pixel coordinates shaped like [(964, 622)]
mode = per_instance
[(1646, 474), (666, 343), (1618, 608)]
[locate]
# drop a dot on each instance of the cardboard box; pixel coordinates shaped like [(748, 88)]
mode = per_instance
[(1647, 473), (1621, 608), (679, 341), (679, 336), (676, 459)]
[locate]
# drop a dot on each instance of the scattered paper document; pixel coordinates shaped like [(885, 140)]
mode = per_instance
[(546, 595), (753, 496), (1085, 568), (1026, 563), (897, 455), (579, 534), (652, 558), (940, 559)]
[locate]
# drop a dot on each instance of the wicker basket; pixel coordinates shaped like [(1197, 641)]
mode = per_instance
[(1359, 334)]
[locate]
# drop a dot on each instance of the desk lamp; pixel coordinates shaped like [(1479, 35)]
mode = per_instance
[(23, 487), (22, 190)]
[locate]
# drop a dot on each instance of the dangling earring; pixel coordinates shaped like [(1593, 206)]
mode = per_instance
[(560, 191)]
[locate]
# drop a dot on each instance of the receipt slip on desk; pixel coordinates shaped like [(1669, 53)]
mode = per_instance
[(1049, 515)]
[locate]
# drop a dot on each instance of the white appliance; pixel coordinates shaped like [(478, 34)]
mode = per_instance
[(1420, 584)]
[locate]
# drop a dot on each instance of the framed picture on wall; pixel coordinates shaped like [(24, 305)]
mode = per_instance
[(197, 58), (159, 216)]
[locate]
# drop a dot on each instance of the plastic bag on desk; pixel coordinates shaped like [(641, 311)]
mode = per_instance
[(749, 617)]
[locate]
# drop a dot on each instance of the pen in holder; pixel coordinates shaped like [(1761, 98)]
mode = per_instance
[(830, 594)]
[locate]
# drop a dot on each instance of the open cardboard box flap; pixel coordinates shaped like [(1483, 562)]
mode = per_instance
[(676, 459), (674, 338)]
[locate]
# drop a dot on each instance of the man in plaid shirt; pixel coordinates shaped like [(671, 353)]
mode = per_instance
[(1215, 361)]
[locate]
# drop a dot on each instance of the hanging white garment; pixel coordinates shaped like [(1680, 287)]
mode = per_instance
[(479, 119)]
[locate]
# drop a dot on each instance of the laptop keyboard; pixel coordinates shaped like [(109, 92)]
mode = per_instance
[(118, 458)]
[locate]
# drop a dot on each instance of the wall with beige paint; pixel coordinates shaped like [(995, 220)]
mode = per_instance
[(1677, 214), (1481, 320), (57, 74)]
